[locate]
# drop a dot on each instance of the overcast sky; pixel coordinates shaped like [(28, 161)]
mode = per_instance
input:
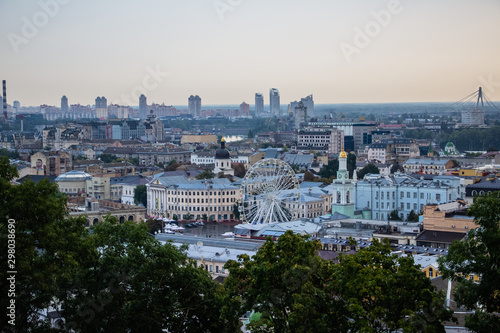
[(342, 51)]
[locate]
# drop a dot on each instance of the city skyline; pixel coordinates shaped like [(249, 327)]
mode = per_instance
[(381, 52)]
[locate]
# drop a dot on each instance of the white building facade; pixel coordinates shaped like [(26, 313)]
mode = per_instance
[(169, 196), (377, 196)]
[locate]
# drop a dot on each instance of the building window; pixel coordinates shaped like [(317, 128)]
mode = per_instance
[(431, 272), (421, 195), (407, 194), (438, 197), (414, 195), (408, 205)]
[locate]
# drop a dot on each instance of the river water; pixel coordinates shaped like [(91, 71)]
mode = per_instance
[(209, 230)]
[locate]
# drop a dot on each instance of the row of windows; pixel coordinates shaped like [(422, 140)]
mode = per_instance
[(202, 209), (72, 190), (310, 140), (224, 200), (402, 206), (209, 268), (408, 195), (314, 137), (202, 193)]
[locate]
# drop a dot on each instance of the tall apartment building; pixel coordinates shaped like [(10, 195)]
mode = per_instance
[(274, 102), (259, 105), (308, 102), (194, 106), (299, 115), (244, 109), (143, 107), (123, 112), (101, 107), (473, 116), (78, 111), (64, 104)]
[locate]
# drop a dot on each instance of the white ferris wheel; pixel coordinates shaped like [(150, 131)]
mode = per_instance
[(270, 193)]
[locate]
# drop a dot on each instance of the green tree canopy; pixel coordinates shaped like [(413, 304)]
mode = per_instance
[(239, 169), (351, 163), (108, 158), (134, 283), (479, 255), (48, 246), (329, 170), (286, 282), (207, 174), (309, 176), (394, 216), (386, 293), (370, 291), (116, 279), (369, 168), (141, 195), (412, 216)]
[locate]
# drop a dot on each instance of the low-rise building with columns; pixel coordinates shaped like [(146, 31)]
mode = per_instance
[(178, 196)]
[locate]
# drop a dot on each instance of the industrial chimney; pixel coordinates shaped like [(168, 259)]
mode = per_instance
[(4, 84)]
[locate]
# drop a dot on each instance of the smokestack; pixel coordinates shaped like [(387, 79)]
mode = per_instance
[(4, 84)]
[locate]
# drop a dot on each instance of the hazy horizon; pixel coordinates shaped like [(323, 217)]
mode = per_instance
[(342, 52)]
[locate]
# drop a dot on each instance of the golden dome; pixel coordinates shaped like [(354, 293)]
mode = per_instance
[(343, 154), (222, 140)]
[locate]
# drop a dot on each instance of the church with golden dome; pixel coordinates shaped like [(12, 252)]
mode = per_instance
[(343, 195)]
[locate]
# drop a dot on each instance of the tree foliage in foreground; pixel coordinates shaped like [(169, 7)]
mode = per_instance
[(478, 254), (287, 282), (141, 195), (134, 283), (370, 291), (386, 293), (116, 278), (48, 247)]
